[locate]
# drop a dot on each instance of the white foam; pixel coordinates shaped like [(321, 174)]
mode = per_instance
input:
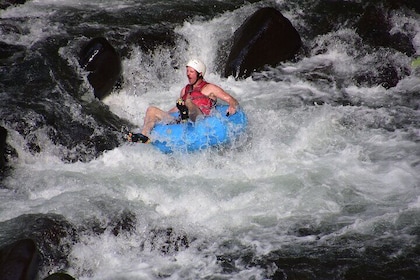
[(298, 166)]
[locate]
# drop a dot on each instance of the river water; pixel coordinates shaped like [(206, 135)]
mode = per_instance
[(324, 184)]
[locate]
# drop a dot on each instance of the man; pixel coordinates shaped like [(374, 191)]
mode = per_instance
[(197, 98)]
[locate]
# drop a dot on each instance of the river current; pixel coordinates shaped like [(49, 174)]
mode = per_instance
[(324, 184)]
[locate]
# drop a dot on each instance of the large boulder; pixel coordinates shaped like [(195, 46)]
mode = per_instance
[(102, 61), (265, 38)]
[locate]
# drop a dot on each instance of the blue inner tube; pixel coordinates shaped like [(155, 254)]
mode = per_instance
[(209, 131)]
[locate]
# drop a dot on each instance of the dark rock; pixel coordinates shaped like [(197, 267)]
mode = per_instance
[(59, 89), (52, 234), (6, 153), (148, 40), (7, 50), (104, 64), (413, 4), (410, 4), (19, 260), (371, 20), (374, 27), (327, 14), (125, 223), (7, 3), (167, 241), (3, 136), (385, 75), (59, 276), (265, 38)]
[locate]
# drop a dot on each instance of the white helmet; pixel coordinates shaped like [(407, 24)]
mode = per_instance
[(198, 66)]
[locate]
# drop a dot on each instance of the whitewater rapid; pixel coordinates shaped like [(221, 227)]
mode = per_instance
[(312, 175)]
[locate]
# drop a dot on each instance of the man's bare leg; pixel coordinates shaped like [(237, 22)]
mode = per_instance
[(154, 115)]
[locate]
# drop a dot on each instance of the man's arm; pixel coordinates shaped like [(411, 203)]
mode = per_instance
[(218, 92)]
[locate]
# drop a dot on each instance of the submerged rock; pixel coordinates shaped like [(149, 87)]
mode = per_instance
[(167, 241), (51, 235), (49, 106), (59, 276), (374, 27), (3, 136), (385, 75), (19, 260), (6, 3)]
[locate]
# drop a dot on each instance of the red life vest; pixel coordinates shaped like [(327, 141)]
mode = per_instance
[(202, 101)]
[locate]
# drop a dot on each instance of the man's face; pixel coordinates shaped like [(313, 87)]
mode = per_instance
[(191, 75)]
